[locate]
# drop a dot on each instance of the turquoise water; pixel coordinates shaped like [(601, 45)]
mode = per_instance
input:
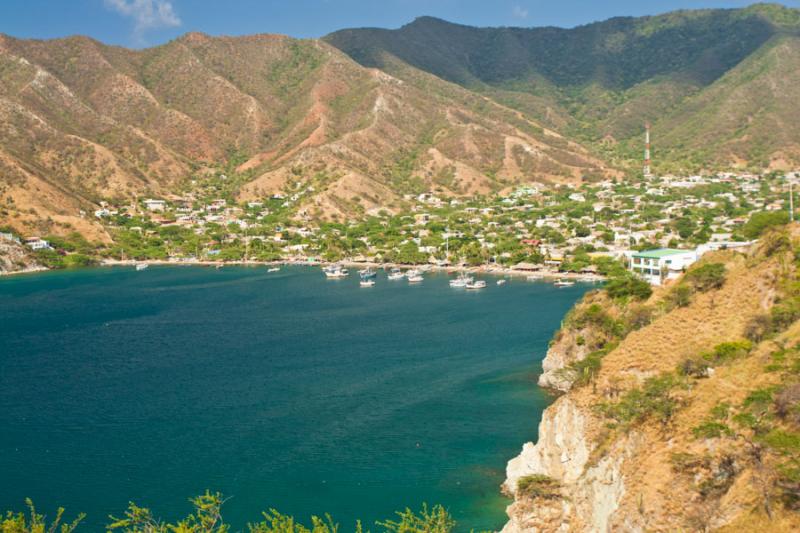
[(281, 390)]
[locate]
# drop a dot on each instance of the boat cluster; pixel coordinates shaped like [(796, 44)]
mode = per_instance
[(413, 276)]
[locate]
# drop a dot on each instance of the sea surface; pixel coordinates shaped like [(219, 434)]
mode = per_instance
[(281, 390)]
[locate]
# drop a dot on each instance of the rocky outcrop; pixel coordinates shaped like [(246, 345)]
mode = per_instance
[(14, 257), (633, 445), (563, 453), (564, 351)]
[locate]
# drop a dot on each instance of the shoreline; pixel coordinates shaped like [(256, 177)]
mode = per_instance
[(544, 275)]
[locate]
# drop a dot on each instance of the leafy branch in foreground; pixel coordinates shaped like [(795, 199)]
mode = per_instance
[(207, 518), (35, 523)]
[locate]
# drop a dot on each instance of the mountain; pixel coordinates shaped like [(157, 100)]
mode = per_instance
[(719, 86), (81, 122), (365, 117)]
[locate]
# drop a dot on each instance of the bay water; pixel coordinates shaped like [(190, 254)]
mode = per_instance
[(281, 390)]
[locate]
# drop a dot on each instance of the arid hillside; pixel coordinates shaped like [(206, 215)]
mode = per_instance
[(81, 121), (682, 412)]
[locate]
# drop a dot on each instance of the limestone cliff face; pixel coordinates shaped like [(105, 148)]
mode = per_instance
[(564, 351), (563, 453), (655, 474)]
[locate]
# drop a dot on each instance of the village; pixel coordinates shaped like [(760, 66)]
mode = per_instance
[(657, 226)]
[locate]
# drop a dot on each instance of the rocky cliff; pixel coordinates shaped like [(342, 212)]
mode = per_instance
[(685, 423), (14, 257)]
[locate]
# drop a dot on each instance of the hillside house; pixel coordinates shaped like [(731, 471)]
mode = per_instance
[(657, 266)]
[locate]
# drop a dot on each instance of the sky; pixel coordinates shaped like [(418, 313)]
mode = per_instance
[(141, 23)]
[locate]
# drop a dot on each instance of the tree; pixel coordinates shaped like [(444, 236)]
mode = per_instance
[(761, 221)]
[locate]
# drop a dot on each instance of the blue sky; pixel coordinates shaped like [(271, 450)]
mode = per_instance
[(149, 22)]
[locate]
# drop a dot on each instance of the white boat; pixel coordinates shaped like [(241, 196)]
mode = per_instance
[(367, 282), (564, 283), (367, 273), (501, 282), (141, 266), (274, 269), (480, 284), (415, 278), (396, 274), (335, 272), (461, 281)]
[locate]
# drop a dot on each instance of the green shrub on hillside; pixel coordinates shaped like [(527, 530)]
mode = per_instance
[(628, 286), (761, 221), (654, 399), (706, 277)]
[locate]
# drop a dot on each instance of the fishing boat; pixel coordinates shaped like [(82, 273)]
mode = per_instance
[(480, 284), (534, 277), (367, 282), (274, 269), (501, 282), (564, 283), (396, 274), (141, 266), (335, 272)]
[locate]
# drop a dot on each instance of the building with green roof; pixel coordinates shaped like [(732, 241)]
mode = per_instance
[(661, 264)]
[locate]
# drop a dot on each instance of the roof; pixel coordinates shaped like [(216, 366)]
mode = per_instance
[(660, 252)]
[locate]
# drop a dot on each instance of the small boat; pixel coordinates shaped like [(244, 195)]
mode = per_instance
[(461, 281), (564, 283), (501, 282), (335, 272), (367, 282), (141, 266), (480, 284), (219, 266), (535, 277), (415, 278), (274, 269), (396, 274), (367, 273)]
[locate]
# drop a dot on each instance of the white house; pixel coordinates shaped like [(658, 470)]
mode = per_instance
[(36, 243), (155, 205), (661, 264)]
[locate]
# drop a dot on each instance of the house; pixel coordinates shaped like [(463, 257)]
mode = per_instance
[(36, 243), (661, 264), (155, 205)]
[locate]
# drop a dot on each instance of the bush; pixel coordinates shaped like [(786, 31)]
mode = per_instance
[(758, 327), (728, 351), (706, 277), (653, 400), (760, 222), (680, 296), (628, 285), (539, 486), (696, 367)]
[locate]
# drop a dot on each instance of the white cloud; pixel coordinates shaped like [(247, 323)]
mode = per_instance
[(146, 14), (519, 12)]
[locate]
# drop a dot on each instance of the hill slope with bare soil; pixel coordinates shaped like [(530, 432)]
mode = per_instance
[(689, 420), (81, 121)]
